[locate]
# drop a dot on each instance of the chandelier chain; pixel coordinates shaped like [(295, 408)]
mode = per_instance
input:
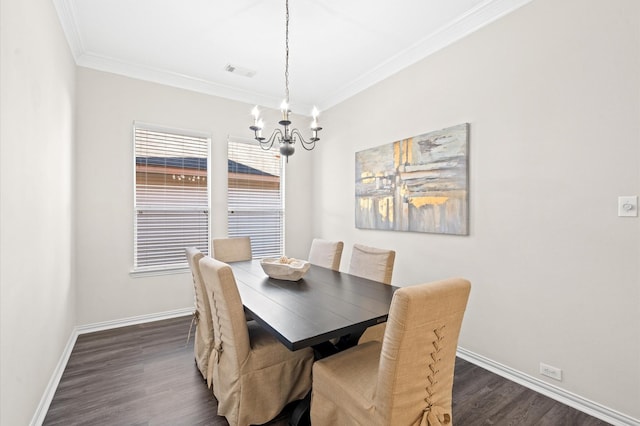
[(288, 136), (286, 68)]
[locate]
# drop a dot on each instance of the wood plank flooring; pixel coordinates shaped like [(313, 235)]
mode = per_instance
[(146, 375)]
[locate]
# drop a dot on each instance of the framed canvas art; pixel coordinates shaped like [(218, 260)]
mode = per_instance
[(418, 184)]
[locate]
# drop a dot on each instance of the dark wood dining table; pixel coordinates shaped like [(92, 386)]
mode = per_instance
[(323, 305)]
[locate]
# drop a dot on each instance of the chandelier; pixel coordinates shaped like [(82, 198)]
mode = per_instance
[(287, 138)]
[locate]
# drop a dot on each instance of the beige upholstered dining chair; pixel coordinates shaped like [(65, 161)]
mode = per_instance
[(375, 264), (254, 376), (372, 263), (231, 249), (203, 336), (326, 253), (408, 378)]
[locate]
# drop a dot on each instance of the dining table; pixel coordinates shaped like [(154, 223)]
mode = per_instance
[(323, 305), (326, 310)]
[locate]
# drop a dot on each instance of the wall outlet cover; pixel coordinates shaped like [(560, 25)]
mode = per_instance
[(551, 371)]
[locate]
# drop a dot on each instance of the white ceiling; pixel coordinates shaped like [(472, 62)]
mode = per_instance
[(337, 47)]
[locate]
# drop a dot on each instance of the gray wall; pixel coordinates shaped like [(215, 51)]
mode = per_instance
[(552, 95), (37, 301)]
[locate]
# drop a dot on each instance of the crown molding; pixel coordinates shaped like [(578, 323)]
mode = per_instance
[(169, 78), (478, 17), (67, 17)]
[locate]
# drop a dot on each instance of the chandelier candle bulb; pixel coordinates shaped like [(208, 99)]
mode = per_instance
[(285, 110), (256, 115)]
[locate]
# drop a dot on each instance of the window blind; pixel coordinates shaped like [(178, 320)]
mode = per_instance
[(255, 197), (171, 197)]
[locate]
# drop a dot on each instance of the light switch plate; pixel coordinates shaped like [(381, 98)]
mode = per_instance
[(628, 206)]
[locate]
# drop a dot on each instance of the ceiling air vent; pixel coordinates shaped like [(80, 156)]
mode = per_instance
[(245, 72)]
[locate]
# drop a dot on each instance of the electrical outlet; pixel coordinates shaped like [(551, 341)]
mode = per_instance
[(550, 371)]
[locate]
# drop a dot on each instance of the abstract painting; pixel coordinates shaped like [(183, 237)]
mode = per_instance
[(418, 184)]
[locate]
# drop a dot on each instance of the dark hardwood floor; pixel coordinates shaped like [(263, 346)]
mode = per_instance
[(146, 375)]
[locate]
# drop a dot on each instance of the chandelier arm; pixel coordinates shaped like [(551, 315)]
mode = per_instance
[(308, 145), (268, 143)]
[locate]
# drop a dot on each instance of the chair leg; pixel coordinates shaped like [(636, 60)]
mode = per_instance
[(301, 415)]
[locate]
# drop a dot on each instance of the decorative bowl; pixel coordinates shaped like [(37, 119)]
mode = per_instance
[(284, 268)]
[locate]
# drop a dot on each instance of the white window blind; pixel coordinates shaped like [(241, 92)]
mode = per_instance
[(171, 197), (256, 197)]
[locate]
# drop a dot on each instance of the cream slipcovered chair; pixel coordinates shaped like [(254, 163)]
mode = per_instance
[(408, 378), (326, 253), (375, 264), (231, 249), (254, 376), (372, 263), (203, 337)]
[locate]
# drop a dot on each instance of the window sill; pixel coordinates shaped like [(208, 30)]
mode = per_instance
[(142, 273)]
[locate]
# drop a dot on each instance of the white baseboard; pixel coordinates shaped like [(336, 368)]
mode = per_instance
[(579, 403), (50, 390), (576, 401), (140, 319)]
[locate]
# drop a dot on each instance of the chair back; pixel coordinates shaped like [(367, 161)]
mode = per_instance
[(372, 263), (203, 341), (231, 336), (326, 253), (232, 249), (415, 373), (200, 296)]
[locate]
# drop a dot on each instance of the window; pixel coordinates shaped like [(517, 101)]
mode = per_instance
[(256, 197), (171, 197)]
